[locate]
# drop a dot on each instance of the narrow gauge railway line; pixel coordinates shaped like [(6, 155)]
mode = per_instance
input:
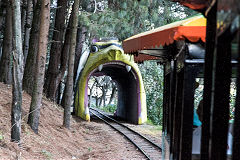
[(151, 150)]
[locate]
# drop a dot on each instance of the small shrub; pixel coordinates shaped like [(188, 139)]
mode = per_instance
[(1, 136), (109, 108), (153, 83), (89, 149), (47, 154)]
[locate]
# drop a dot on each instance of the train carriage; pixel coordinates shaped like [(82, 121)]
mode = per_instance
[(197, 47)]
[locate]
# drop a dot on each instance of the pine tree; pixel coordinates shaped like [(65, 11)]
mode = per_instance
[(6, 58), (55, 73), (27, 28), (69, 84), (17, 72), (29, 68), (34, 113)]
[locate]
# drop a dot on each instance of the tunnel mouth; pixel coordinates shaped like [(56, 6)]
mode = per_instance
[(127, 81)]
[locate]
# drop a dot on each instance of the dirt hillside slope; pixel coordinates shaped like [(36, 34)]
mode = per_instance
[(83, 141)]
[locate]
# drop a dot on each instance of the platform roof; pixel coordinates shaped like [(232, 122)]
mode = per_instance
[(192, 29), (195, 4)]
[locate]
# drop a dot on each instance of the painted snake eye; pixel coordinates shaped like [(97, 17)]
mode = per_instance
[(94, 49)]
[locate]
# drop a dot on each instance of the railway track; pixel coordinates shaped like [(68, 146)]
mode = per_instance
[(151, 150)]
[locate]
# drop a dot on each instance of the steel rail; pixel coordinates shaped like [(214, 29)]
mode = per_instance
[(129, 129), (145, 154), (143, 137)]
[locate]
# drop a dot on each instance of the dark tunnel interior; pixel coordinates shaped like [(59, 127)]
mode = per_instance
[(127, 107)]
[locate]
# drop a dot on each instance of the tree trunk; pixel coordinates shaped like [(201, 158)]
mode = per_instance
[(104, 101), (17, 72), (5, 63), (23, 17), (65, 55), (96, 101), (27, 28), (34, 3), (32, 52), (63, 96), (90, 96), (34, 113), (100, 102), (2, 13), (64, 60), (104, 96), (89, 100), (59, 95), (53, 76), (81, 39), (2, 17), (114, 89), (69, 84), (0, 49)]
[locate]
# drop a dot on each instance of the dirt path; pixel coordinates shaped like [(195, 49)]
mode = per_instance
[(84, 141)]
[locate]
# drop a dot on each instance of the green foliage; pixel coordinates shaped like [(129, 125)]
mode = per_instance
[(124, 5), (84, 19), (233, 91), (1, 136), (89, 149), (125, 18), (158, 128), (149, 122), (109, 108), (153, 82), (198, 95), (93, 17), (101, 19), (47, 154)]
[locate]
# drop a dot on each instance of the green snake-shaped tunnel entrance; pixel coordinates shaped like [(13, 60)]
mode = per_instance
[(109, 59)]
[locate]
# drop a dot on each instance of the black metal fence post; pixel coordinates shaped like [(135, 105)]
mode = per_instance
[(208, 71), (236, 130), (172, 100), (190, 73), (178, 113), (164, 101), (221, 93)]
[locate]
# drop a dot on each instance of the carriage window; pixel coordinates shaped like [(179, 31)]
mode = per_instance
[(233, 90), (198, 97)]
